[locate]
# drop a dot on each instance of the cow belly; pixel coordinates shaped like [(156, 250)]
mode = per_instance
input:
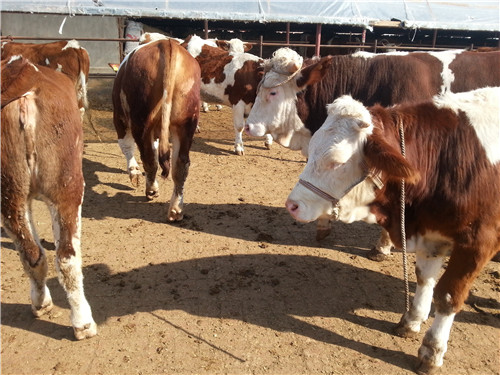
[(210, 98)]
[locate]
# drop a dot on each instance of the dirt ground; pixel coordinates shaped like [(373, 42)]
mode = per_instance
[(237, 287)]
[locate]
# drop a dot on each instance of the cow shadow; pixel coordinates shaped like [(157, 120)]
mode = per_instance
[(278, 292), (274, 291), (233, 220)]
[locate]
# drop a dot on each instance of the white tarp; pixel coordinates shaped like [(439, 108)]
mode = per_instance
[(426, 14)]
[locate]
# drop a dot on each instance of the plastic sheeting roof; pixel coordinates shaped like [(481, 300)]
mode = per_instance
[(426, 14)]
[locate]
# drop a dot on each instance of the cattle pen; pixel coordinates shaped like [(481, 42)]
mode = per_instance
[(238, 286)]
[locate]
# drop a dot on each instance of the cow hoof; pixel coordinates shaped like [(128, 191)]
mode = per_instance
[(268, 145), (38, 311), (239, 152), (87, 331), (425, 368), (135, 177), (152, 194), (403, 331), (174, 215), (321, 234), (377, 256)]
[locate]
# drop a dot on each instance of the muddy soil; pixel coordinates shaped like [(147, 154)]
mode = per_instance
[(237, 287)]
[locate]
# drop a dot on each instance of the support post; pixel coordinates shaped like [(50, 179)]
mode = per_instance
[(206, 29), (318, 40)]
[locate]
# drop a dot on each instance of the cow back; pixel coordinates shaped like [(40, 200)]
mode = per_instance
[(64, 56), (157, 71), (388, 79), (41, 129)]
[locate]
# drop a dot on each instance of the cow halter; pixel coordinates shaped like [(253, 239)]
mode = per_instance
[(288, 79), (375, 177)]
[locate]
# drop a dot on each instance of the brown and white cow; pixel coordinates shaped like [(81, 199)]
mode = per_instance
[(291, 105), (156, 95), (64, 56), (42, 147), (230, 78), (451, 170)]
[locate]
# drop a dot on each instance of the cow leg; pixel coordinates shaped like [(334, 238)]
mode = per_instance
[(239, 124), (182, 137), (18, 223), (66, 225), (269, 141), (127, 145), (427, 270), (449, 296), (324, 224), (148, 149), (382, 249)]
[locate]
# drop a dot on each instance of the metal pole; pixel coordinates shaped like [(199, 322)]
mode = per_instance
[(206, 29), (287, 33), (318, 39)]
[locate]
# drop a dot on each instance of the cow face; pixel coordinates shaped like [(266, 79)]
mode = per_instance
[(275, 108), (335, 163)]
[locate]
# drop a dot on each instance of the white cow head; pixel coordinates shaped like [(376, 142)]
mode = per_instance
[(336, 161), (275, 111), (234, 46)]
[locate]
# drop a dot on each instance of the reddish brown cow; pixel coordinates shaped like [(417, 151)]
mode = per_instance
[(42, 146), (156, 94), (65, 56), (451, 200)]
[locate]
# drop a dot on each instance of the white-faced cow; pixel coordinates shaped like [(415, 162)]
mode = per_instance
[(291, 105), (451, 170), (228, 78), (156, 95), (64, 56), (42, 147)]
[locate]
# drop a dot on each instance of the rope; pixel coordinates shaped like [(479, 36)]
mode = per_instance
[(403, 229), (288, 79)]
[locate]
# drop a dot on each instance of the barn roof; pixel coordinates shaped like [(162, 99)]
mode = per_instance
[(424, 14)]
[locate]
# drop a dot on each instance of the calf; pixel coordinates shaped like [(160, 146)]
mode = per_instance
[(291, 102), (156, 94), (451, 169), (42, 146), (65, 56), (228, 78)]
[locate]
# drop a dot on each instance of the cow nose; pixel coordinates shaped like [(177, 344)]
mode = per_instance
[(292, 207)]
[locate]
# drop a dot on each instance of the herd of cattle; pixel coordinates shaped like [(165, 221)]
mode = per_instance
[(412, 137)]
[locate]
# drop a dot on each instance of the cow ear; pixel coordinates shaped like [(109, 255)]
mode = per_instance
[(383, 157), (314, 72), (222, 44), (247, 47)]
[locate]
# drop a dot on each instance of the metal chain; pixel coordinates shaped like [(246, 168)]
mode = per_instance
[(403, 228)]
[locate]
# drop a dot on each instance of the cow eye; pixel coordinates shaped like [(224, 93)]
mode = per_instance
[(272, 93)]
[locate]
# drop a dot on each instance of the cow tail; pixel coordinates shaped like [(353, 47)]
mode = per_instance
[(166, 110), (84, 62), (27, 125)]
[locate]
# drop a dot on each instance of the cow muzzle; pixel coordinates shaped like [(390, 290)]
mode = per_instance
[(255, 130)]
